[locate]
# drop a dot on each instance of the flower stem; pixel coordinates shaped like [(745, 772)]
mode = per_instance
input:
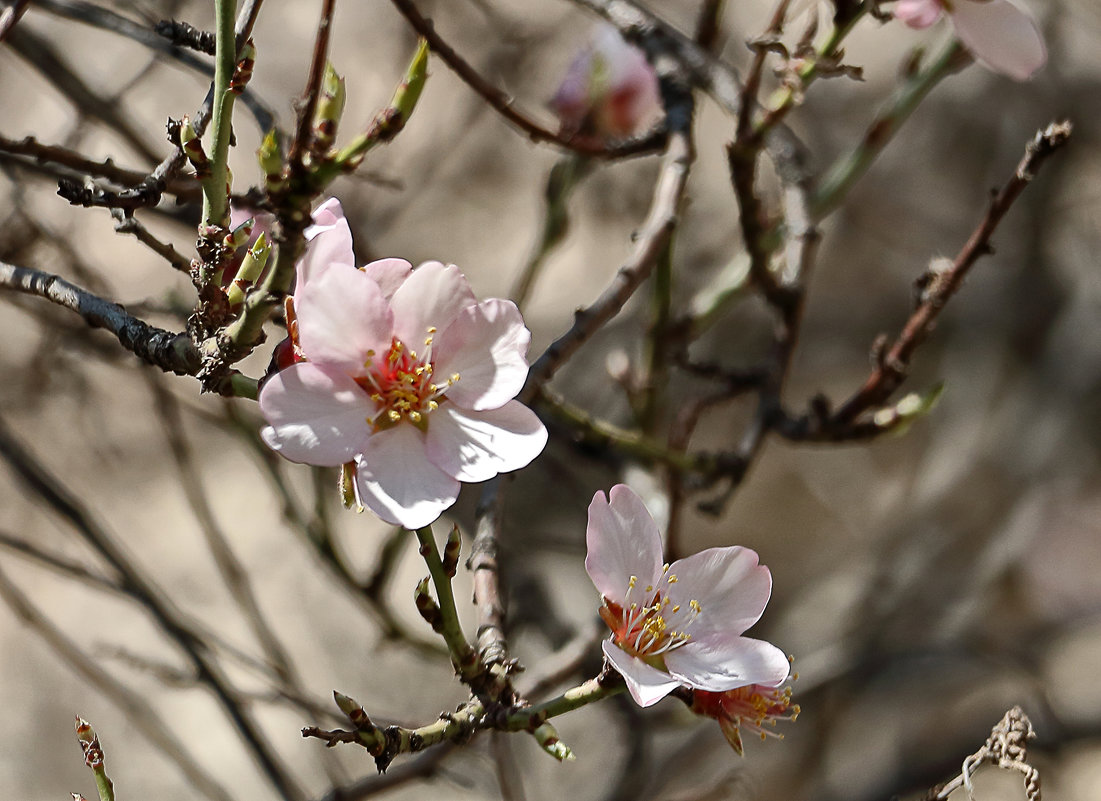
[(215, 195), (574, 698), (463, 655)]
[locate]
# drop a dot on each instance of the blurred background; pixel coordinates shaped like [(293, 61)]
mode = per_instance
[(924, 583)]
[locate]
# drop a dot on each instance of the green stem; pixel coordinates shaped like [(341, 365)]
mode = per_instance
[(574, 698), (835, 183), (215, 196), (463, 655)]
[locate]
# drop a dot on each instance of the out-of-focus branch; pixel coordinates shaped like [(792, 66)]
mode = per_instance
[(51, 491), (653, 238), (9, 17), (504, 105), (171, 352), (136, 709)]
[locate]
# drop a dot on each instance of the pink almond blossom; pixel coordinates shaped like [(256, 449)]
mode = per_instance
[(678, 624), (753, 708), (610, 90), (405, 373), (1000, 35)]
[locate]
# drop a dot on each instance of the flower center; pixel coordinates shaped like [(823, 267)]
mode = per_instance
[(649, 624), (401, 383)]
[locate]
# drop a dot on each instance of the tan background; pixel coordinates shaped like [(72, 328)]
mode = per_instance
[(924, 583)]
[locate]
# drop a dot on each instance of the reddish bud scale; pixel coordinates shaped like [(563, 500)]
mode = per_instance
[(243, 72)]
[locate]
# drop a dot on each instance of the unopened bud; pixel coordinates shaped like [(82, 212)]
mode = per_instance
[(451, 552), (243, 71), (427, 607), (330, 107), (348, 494), (192, 148), (350, 707), (270, 156), (252, 265), (547, 737)]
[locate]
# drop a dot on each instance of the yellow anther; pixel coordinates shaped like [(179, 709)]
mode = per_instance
[(431, 329), (454, 378), (377, 397), (665, 568), (394, 415), (676, 609), (632, 582), (432, 406), (415, 417), (427, 341), (649, 588), (695, 606)]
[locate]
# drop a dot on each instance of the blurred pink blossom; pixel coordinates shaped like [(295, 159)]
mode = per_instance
[(680, 623), (1000, 35), (610, 90), (405, 373)]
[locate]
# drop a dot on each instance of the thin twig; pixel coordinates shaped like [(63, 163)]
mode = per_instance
[(892, 367), (505, 105), (128, 224), (484, 567)]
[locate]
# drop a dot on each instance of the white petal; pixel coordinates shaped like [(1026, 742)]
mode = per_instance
[(486, 345), (342, 315), (431, 297), (719, 663), (622, 540), (398, 482), (328, 242), (476, 446), (732, 589), (389, 274), (646, 684), (1001, 36), (318, 415)]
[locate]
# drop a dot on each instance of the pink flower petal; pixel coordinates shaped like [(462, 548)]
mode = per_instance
[(431, 297), (646, 684), (919, 13), (328, 242), (486, 345), (622, 540), (317, 414), (476, 446), (389, 274), (398, 482), (722, 662), (731, 587), (342, 315), (1001, 36)]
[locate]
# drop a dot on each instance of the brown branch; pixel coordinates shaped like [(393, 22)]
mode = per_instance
[(892, 367), (185, 189), (128, 224), (504, 105), (303, 136), (171, 352)]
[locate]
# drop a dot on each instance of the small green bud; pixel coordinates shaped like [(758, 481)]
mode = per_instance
[(330, 107), (252, 266), (271, 159), (193, 149), (547, 737)]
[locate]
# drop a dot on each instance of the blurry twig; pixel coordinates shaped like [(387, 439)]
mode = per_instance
[(504, 105), (9, 17), (52, 493), (136, 709)]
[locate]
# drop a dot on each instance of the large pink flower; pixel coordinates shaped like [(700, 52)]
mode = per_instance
[(610, 89), (403, 372), (680, 623), (998, 33)]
